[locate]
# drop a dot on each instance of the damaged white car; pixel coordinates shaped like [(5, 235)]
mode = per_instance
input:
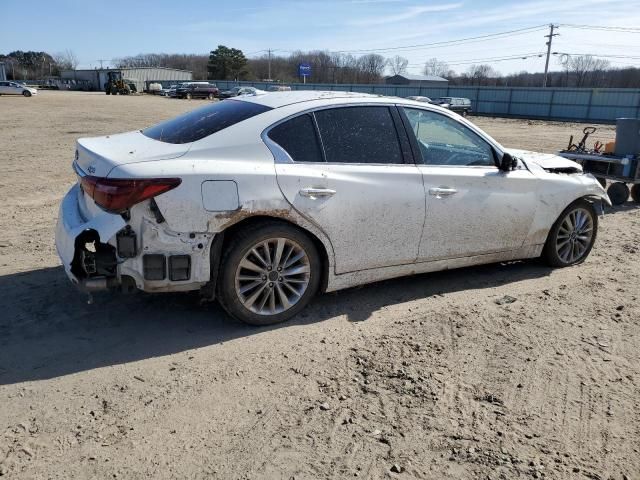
[(263, 201)]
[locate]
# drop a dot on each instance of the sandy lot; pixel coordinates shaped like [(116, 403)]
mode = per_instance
[(424, 377)]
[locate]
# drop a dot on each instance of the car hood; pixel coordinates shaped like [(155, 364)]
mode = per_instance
[(99, 155), (547, 161)]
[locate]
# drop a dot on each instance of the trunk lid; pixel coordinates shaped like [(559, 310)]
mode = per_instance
[(97, 156)]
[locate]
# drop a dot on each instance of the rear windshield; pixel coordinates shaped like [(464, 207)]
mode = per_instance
[(204, 121)]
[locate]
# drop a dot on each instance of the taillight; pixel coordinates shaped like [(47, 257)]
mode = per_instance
[(117, 194)]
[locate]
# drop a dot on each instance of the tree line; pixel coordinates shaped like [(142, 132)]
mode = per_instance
[(225, 63), (31, 65)]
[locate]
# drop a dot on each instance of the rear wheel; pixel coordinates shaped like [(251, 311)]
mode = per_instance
[(618, 193), (572, 236), (268, 274), (26, 93)]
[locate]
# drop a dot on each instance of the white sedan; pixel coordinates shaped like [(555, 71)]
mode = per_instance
[(16, 88), (263, 201)]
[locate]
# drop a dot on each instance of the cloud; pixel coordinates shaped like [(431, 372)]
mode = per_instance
[(407, 14)]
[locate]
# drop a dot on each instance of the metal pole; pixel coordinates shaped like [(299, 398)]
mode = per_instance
[(546, 65), (269, 64)]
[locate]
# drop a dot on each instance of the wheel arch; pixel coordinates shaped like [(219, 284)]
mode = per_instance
[(229, 232)]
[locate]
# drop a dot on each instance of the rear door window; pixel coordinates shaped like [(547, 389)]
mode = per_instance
[(298, 137), (205, 121), (363, 134)]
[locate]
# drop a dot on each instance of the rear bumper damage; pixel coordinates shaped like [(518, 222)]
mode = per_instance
[(101, 250), (76, 237)]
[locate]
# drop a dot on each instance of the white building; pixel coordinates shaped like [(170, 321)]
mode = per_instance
[(140, 76)]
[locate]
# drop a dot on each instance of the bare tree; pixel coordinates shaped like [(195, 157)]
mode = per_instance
[(435, 67), (586, 67), (482, 74), (397, 65), (66, 60), (371, 67)]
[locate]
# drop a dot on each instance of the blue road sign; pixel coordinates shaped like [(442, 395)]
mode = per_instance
[(304, 70)]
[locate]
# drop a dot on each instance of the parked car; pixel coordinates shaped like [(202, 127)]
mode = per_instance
[(418, 98), (16, 88), (263, 201), (171, 91), (197, 90), (455, 104), (278, 88), (240, 91)]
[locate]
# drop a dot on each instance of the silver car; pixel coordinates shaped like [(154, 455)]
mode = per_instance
[(16, 88)]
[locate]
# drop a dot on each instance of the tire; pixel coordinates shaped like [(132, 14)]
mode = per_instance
[(618, 193), (241, 249), (635, 193), (188, 96), (464, 113), (26, 93), (557, 252), (211, 96)]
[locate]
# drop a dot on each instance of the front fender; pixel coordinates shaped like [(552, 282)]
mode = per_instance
[(557, 192)]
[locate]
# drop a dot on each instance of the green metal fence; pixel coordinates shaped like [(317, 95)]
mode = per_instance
[(564, 104)]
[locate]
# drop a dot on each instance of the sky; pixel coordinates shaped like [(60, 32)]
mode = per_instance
[(113, 29)]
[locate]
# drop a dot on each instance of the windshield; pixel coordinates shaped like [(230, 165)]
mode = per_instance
[(204, 121)]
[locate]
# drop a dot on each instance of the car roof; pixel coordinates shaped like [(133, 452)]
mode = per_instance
[(281, 99)]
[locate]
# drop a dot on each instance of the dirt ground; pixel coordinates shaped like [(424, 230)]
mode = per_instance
[(429, 377)]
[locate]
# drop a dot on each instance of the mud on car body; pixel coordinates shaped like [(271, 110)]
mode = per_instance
[(262, 201)]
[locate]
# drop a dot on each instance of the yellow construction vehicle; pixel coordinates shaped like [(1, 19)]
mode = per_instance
[(116, 85)]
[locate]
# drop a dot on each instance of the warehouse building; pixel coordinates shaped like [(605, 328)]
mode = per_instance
[(417, 80), (140, 76), (3, 72)]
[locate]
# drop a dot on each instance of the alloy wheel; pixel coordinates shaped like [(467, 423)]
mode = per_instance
[(272, 276), (574, 235)]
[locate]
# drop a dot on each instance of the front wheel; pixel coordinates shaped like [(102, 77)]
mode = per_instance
[(26, 93), (572, 236), (188, 96), (268, 273)]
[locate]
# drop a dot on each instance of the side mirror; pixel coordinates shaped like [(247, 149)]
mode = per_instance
[(507, 162)]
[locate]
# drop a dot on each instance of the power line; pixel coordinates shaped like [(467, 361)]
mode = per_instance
[(522, 56), (599, 55), (602, 27), (460, 41)]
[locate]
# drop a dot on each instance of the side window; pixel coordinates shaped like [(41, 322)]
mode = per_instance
[(444, 141), (359, 135), (298, 138)]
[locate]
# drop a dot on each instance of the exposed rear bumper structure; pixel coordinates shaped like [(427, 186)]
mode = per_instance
[(74, 233), (105, 251)]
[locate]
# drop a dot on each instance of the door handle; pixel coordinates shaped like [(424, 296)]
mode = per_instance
[(442, 192), (317, 192)]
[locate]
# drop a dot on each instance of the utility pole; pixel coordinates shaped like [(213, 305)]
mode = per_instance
[(269, 51), (546, 65), (101, 60)]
